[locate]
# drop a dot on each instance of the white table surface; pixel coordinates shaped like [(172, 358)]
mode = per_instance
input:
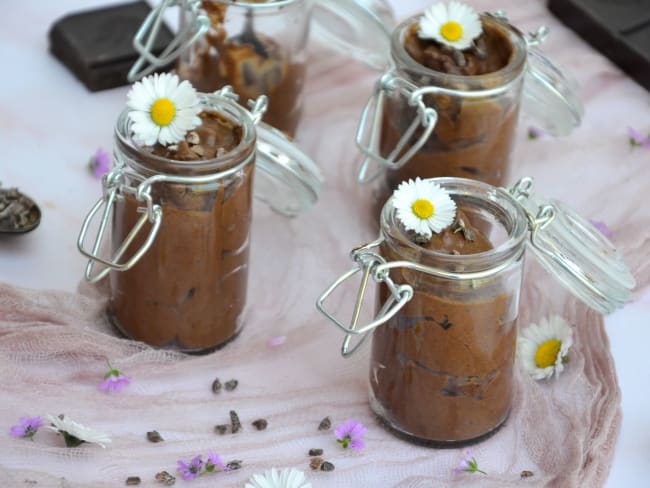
[(50, 125)]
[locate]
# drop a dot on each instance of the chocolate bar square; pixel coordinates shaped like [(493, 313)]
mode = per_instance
[(97, 45)]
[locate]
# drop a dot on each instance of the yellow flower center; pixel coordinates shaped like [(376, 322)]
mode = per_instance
[(163, 112), (451, 31), (547, 353), (423, 209)]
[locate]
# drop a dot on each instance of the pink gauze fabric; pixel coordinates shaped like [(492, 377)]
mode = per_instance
[(53, 348)]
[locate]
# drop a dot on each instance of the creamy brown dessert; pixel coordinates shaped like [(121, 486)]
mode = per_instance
[(252, 64), (441, 368), (473, 137), (188, 290)]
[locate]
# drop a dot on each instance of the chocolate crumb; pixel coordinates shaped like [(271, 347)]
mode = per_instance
[(325, 424), (316, 463), (260, 424), (132, 481), (315, 452), (193, 137), (526, 474), (216, 386), (233, 465), (154, 436), (221, 429), (327, 466), (234, 422), (165, 478), (231, 385)]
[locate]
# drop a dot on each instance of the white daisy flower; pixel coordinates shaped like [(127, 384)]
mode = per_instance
[(162, 109), (76, 434), (423, 206), (455, 25), (543, 349), (286, 478)]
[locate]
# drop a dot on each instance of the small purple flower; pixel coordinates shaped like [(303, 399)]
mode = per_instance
[(274, 342), (636, 139), (100, 163), (214, 463), (468, 464), (534, 133), (114, 380), (191, 470), (602, 227), (350, 434), (27, 428)]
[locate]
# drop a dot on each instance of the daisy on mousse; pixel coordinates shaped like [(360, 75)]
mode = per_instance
[(455, 25), (543, 349), (423, 207), (162, 109)]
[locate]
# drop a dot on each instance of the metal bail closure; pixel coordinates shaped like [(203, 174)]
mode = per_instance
[(112, 184), (188, 33), (369, 129), (370, 264), (572, 249)]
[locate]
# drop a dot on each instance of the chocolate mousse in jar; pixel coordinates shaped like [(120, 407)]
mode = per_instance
[(255, 46), (449, 263), (450, 102), (178, 202)]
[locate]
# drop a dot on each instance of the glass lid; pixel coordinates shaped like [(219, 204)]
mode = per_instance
[(573, 250), (286, 178), (360, 29)]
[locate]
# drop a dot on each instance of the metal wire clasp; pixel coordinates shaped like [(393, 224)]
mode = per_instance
[(369, 263), (369, 129), (189, 32)]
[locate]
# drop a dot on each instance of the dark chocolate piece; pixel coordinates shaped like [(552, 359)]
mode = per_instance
[(97, 45), (619, 30)]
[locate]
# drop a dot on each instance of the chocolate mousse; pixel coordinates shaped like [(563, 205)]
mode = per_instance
[(252, 63), (188, 290), (441, 368), (473, 137)]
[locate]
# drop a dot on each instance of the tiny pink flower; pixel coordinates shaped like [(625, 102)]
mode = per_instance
[(192, 469), (27, 428), (534, 133), (603, 228), (636, 139), (100, 163), (276, 341), (468, 464), (350, 434), (114, 381), (214, 463)]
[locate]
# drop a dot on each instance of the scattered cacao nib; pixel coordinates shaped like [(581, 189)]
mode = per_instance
[(233, 465), (133, 481), (315, 452), (316, 463), (165, 478), (325, 424), (216, 386), (260, 424), (526, 474), (231, 385), (327, 466), (154, 436), (234, 422), (221, 429)]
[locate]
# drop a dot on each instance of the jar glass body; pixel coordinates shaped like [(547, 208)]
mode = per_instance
[(474, 132), (441, 370), (258, 48), (188, 291)]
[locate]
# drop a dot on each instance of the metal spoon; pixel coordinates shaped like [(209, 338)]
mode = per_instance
[(248, 36), (18, 213)]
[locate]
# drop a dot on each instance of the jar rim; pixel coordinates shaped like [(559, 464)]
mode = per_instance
[(256, 5), (147, 162), (497, 198), (515, 67)]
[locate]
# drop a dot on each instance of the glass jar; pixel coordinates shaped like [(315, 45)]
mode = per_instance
[(445, 325), (180, 230), (428, 123)]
